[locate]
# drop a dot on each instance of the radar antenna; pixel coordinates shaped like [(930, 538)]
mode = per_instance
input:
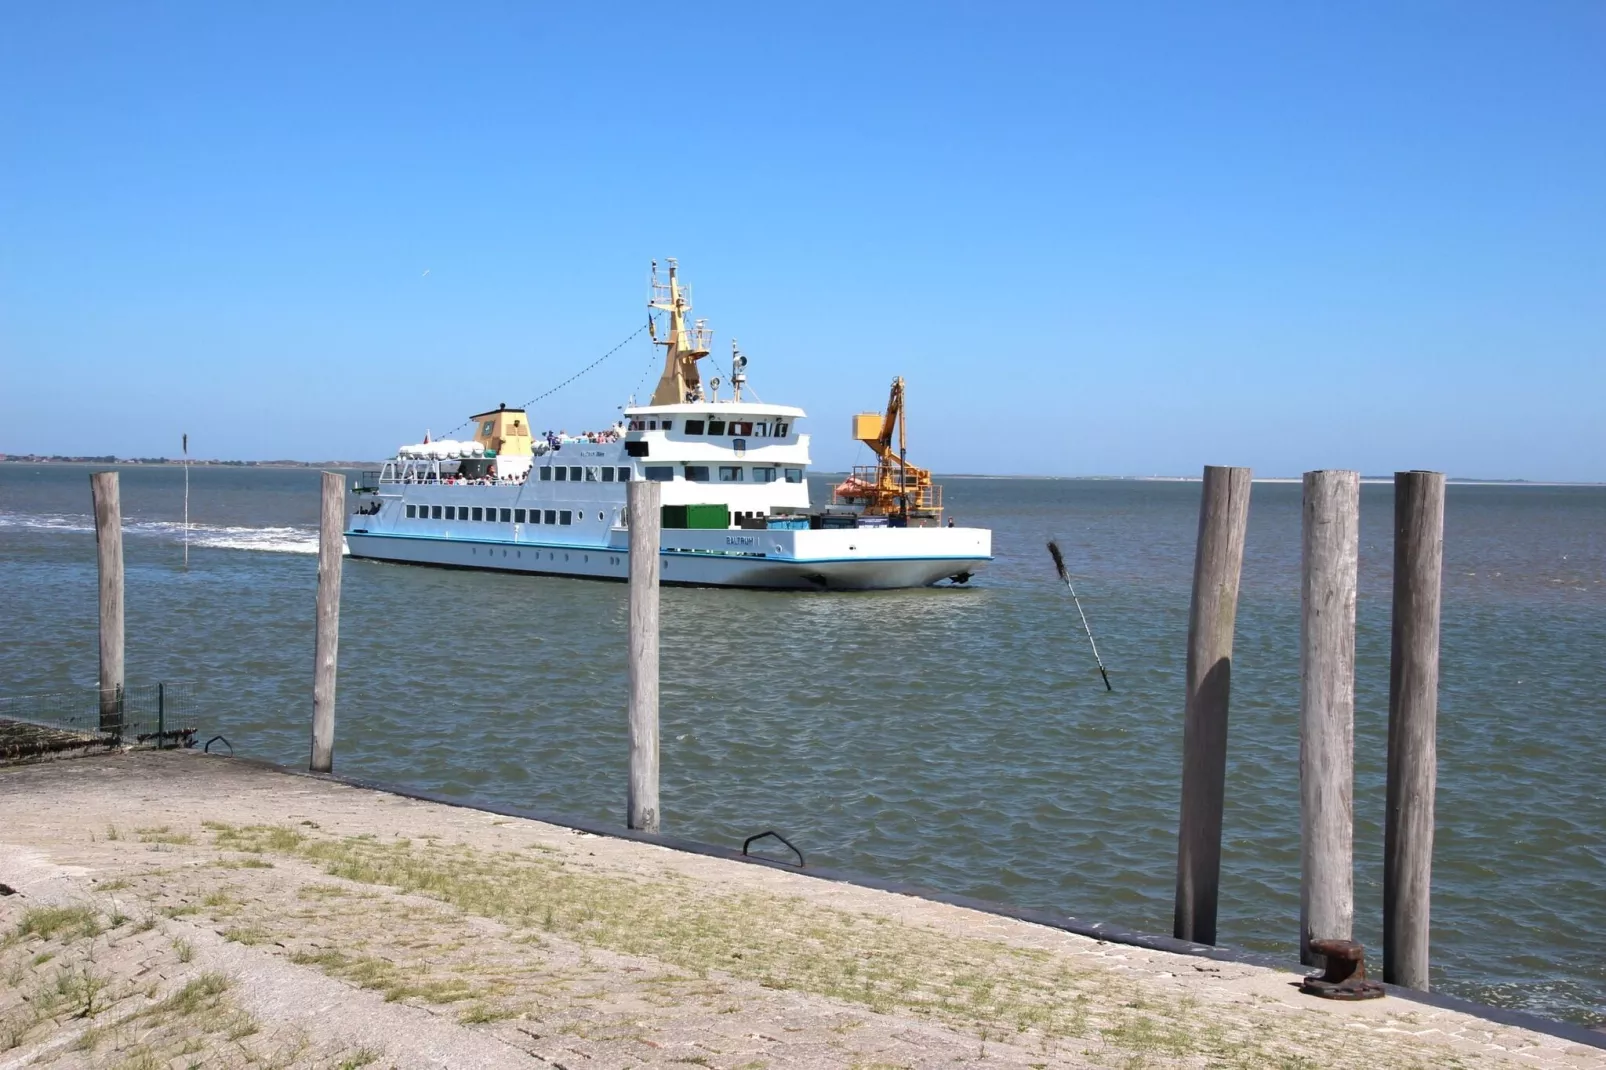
[(738, 370)]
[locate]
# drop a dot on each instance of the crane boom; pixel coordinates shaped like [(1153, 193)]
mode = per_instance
[(875, 430), (892, 486)]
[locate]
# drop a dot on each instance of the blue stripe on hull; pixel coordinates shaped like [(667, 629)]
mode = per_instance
[(709, 569), (625, 551)]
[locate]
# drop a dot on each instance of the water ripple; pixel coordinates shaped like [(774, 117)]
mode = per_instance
[(959, 739)]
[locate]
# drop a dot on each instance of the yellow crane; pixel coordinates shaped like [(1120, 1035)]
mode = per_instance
[(891, 487)]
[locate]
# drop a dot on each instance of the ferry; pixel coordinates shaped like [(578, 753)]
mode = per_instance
[(735, 492)]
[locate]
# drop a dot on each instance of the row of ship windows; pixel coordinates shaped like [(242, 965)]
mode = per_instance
[(590, 473), (494, 516), (728, 473), (744, 428)]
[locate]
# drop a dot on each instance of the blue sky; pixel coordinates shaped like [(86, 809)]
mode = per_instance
[(1096, 239)]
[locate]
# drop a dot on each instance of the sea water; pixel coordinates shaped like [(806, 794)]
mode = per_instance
[(958, 738)]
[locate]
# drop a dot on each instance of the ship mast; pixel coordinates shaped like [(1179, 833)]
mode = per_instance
[(684, 347)]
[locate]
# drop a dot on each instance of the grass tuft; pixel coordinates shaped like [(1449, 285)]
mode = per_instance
[(249, 935), (68, 922), (480, 1013), (163, 834), (199, 994), (243, 863)]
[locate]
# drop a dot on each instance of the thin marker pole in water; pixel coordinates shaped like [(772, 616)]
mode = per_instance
[(186, 499), (1065, 575)]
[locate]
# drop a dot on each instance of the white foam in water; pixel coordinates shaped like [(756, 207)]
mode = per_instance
[(49, 523), (282, 540)]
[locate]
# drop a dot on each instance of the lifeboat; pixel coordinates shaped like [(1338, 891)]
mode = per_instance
[(854, 487)]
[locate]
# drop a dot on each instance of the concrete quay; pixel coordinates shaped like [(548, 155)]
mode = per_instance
[(176, 910)]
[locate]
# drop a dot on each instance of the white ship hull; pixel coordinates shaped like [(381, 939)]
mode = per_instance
[(851, 559)]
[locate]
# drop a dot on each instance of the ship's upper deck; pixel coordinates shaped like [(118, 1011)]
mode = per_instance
[(724, 405)]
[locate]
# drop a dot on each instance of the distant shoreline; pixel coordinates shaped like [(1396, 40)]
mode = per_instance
[(169, 462), (163, 462), (1460, 481)]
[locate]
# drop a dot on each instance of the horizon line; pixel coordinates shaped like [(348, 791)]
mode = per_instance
[(157, 462)]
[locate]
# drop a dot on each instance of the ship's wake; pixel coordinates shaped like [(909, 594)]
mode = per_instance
[(282, 540)]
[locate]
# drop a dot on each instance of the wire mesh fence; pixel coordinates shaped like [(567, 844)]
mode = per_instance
[(90, 718)]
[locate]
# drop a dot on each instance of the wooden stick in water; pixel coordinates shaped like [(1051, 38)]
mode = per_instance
[(645, 500), (1065, 577), (1413, 726), (109, 554), (1329, 563), (331, 544), (1212, 615)]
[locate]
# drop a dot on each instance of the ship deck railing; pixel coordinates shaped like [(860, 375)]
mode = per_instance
[(880, 482), (368, 479)]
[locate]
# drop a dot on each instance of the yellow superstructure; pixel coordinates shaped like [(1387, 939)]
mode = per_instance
[(681, 381), (892, 486), (505, 430), (867, 426)]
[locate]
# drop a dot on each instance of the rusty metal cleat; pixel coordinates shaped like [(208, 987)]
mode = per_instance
[(1345, 977)]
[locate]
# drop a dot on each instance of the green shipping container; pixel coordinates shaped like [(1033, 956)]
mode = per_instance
[(710, 517)]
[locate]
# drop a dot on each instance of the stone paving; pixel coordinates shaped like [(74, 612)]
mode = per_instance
[(174, 910)]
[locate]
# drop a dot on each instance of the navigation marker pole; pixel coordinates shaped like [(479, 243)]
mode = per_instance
[(1065, 575), (186, 499)]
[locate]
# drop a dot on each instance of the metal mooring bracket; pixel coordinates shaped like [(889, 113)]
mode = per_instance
[(776, 835), (1345, 977)]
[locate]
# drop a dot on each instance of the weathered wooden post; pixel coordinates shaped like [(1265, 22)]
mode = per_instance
[(646, 520), (331, 546), (1217, 564), (1330, 561), (1413, 715), (104, 488)]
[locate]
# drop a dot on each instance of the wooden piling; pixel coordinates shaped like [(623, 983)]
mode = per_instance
[(104, 488), (1413, 715), (645, 501), (1330, 561), (1217, 564), (331, 546)]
